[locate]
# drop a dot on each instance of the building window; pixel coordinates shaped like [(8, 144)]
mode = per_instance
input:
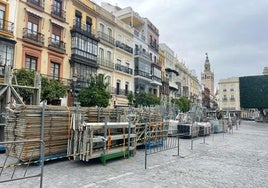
[(88, 24), (117, 87), (6, 53), (85, 47), (56, 35), (231, 89), (101, 54), (33, 26), (118, 62), (109, 56), (126, 88), (224, 90), (110, 32), (78, 18), (102, 28), (57, 7), (2, 16), (55, 70), (31, 63), (127, 64)]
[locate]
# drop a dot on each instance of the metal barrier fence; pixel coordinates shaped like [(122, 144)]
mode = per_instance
[(13, 170), (160, 140)]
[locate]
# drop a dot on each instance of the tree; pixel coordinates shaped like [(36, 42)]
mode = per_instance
[(96, 94), (147, 99), (130, 97), (24, 78), (183, 103), (50, 89)]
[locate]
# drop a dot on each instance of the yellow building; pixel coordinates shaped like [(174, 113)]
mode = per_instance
[(41, 38), (7, 41)]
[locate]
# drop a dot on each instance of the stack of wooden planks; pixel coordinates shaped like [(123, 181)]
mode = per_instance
[(25, 123)]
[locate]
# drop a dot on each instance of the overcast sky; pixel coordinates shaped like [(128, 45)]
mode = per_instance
[(234, 33)]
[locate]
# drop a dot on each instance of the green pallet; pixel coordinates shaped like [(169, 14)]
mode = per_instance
[(114, 155)]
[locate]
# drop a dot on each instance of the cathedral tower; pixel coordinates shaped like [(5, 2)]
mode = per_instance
[(207, 77)]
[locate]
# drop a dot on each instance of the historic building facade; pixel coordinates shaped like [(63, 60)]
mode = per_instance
[(229, 97), (207, 77)]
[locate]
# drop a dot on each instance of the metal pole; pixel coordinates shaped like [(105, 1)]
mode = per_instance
[(192, 140), (145, 146), (105, 135), (178, 142), (42, 148), (128, 138)]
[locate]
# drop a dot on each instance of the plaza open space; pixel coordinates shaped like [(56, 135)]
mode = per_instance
[(236, 159)]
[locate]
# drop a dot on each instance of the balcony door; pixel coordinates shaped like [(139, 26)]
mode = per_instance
[(32, 26)]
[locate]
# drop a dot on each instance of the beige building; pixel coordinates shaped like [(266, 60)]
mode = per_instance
[(123, 79), (229, 96)]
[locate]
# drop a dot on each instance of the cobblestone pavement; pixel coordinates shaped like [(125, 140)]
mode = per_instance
[(221, 160)]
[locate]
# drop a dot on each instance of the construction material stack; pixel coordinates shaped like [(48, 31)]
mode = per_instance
[(24, 122)]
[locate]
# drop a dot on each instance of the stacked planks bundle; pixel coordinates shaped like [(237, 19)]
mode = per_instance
[(25, 122), (93, 114), (102, 140)]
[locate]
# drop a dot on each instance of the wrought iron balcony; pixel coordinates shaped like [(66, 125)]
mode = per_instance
[(140, 52), (6, 26), (156, 79), (36, 3), (123, 46), (119, 91), (105, 63), (106, 37), (58, 12), (83, 28), (33, 36), (142, 73), (57, 44), (123, 69)]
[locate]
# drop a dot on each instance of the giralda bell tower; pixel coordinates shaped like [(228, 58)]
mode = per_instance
[(207, 77)]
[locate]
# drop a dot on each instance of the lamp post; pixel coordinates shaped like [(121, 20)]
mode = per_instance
[(74, 80)]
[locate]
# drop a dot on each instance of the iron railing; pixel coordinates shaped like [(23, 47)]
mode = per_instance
[(33, 36), (6, 26)]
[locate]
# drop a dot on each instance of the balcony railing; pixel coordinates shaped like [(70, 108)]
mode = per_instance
[(156, 79), (56, 44), (58, 12), (124, 46), (6, 26), (33, 36), (83, 54), (154, 46), (142, 73), (123, 69), (36, 3), (119, 91), (84, 28), (142, 53), (105, 63), (106, 37), (224, 99), (232, 99)]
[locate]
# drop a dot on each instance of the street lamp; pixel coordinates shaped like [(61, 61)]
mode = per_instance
[(75, 93)]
